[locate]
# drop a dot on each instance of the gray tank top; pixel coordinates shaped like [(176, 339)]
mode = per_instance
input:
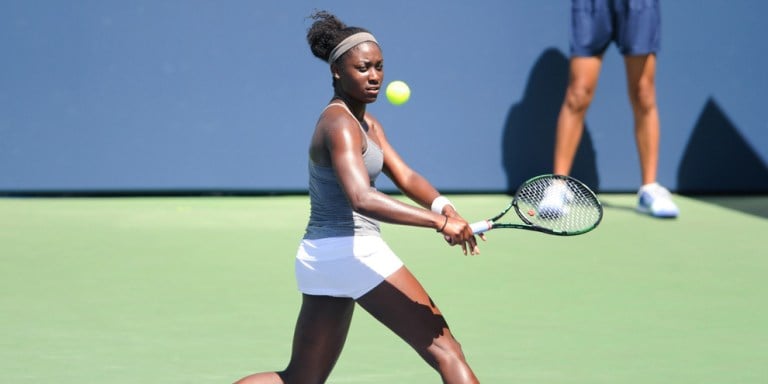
[(330, 212)]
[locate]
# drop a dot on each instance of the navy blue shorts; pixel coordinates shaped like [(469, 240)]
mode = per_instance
[(634, 25)]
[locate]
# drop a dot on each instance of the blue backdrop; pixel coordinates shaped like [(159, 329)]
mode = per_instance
[(199, 95)]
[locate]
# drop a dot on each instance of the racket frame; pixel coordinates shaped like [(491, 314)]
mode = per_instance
[(486, 225)]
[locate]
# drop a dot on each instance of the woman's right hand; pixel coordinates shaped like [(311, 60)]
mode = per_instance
[(458, 232)]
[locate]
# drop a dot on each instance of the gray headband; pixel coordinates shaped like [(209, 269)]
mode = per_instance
[(348, 43)]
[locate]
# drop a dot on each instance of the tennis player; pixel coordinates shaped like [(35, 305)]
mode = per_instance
[(342, 259)]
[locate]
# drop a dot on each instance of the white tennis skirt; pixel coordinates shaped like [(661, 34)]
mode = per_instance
[(344, 266)]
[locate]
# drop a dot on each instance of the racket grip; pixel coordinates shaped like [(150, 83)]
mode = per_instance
[(481, 226)]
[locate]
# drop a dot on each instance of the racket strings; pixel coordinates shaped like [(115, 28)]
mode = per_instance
[(559, 204)]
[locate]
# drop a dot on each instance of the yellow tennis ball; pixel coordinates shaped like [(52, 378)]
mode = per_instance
[(398, 92)]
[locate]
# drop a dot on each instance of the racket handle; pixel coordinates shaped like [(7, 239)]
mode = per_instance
[(481, 226)]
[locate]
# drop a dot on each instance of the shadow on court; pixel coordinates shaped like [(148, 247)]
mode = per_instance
[(528, 140), (752, 205), (618, 207)]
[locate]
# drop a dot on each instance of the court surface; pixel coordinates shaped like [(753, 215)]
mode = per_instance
[(200, 290)]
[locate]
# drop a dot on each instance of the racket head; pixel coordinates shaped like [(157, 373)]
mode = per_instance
[(558, 204)]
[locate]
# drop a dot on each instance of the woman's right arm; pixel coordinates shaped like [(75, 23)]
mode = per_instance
[(343, 140)]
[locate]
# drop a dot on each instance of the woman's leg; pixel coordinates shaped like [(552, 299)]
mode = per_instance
[(641, 85), (318, 339), (584, 72), (402, 304)]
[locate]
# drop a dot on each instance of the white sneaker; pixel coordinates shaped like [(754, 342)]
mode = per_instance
[(655, 200), (555, 201)]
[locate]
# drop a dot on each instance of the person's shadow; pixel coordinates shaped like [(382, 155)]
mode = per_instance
[(718, 159), (528, 141)]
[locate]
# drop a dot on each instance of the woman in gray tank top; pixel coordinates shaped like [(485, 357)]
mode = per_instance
[(342, 259)]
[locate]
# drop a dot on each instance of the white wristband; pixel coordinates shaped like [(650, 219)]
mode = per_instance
[(439, 203)]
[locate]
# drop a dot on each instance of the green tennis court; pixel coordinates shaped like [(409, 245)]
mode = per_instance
[(201, 290)]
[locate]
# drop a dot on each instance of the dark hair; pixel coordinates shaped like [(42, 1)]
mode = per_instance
[(326, 32)]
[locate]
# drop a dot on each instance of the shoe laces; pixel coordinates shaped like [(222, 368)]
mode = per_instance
[(656, 191)]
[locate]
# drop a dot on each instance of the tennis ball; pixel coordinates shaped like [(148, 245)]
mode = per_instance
[(398, 92)]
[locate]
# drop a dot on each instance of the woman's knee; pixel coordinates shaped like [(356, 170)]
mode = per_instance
[(579, 96), (643, 96)]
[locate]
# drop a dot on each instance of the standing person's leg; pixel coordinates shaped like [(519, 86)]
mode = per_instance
[(641, 71), (639, 39), (653, 199), (584, 72), (319, 337), (591, 33), (402, 304)]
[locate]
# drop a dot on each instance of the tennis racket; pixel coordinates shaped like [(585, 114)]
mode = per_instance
[(552, 204)]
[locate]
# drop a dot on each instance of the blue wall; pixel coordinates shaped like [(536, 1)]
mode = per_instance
[(219, 96)]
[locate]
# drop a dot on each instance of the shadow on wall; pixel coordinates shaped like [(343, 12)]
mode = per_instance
[(528, 140), (718, 160)]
